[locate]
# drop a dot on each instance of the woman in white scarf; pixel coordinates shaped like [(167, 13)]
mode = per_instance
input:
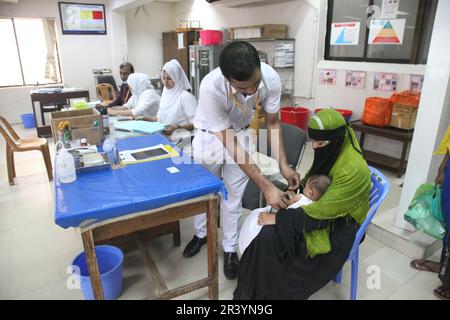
[(177, 106), (144, 101)]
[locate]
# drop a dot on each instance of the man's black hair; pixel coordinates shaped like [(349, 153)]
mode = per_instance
[(127, 64), (239, 60)]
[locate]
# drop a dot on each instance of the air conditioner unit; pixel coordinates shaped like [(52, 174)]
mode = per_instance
[(245, 3), (9, 1)]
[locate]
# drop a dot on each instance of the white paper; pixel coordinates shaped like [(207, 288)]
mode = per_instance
[(327, 76), (389, 9), (180, 40), (387, 31), (385, 81), (172, 170), (345, 33), (416, 83), (355, 79)]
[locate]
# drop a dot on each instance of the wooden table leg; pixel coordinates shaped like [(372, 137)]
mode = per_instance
[(402, 159), (211, 221), (91, 259), (361, 139)]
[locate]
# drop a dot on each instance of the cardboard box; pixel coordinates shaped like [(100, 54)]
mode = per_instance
[(275, 31), (81, 123), (404, 116), (261, 31)]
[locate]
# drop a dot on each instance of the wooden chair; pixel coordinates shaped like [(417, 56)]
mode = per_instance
[(15, 144), (106, 92)]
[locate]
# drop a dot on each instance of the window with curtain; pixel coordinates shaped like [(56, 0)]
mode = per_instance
[(397, 31), (29, 54)]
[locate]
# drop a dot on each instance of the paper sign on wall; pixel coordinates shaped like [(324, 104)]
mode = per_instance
[(387, 31), (180, 40), (355, 79), (416, 83), (327, 76), (385, 81), (389, 9), (345, 33)]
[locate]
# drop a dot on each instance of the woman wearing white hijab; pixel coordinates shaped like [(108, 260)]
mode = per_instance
[(144, 101), (177, 106)]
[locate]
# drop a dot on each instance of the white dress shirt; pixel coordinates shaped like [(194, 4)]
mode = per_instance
[(217, 110)]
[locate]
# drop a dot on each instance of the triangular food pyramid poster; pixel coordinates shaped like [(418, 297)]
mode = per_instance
[(386, 31), (345, 33)]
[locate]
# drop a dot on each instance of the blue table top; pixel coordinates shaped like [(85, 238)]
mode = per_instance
[(106, 194)]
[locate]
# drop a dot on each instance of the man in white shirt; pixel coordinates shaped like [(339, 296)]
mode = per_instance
[(229, 96)]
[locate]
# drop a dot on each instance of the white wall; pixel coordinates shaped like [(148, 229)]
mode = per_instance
[(145, 25), (79, 54), (433, 115), (339, 96)]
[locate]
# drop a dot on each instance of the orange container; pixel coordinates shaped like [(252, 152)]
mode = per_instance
[(407, 98), (377, 112)]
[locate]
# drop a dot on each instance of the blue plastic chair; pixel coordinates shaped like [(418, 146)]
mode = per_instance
[(378, 191)]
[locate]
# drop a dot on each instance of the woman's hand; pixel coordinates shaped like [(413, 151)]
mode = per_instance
[(112, 112), (266, 218), (169, 129), (291, 176), (275, 197)]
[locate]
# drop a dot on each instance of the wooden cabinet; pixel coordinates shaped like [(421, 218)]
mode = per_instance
[(172, 50)]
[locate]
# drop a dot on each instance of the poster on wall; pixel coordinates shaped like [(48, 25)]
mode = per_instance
[(82, 18), (385, 81), (389, 9), (327, 76), (355, 79), (345, 34), (387, 31), (416, 83)]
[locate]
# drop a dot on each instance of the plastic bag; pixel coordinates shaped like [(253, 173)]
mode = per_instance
[(420, 211), (436, 205)]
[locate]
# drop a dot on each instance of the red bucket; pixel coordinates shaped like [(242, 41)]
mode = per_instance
[(297, 116)]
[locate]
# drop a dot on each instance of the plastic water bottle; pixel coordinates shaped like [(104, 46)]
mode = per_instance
[(65, 165), (108, 146)]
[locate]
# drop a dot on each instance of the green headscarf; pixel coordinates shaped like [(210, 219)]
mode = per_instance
[(348, 193)]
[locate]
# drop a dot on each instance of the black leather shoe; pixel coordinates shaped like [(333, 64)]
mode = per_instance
[(230, 265), (193, 247)]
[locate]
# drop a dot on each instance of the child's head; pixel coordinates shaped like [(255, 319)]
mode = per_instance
[(316, 186)]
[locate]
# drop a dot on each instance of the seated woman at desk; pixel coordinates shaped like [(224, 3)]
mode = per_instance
[(177, 106), (144, 101)]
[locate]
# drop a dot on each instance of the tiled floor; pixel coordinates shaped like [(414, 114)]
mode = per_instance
[(35, 253)]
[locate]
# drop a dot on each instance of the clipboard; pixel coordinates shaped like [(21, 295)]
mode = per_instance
[(153, 153)]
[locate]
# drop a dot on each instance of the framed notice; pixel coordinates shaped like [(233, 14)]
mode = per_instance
[(82, 18), (385, 81), (355, 79), (327, 76)]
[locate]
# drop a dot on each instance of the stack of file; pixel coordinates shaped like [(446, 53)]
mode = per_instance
[(284, 55)]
